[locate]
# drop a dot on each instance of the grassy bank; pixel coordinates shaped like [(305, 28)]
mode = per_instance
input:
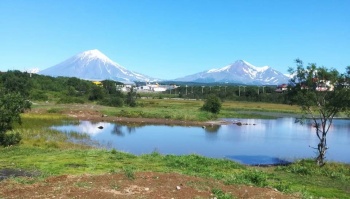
[(303, 177), (48, 152), (177, 109)]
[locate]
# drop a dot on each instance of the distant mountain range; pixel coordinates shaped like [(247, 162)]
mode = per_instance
[(240, 72), (94, 65)]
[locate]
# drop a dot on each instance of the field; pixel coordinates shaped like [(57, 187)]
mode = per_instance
[(46, 164)]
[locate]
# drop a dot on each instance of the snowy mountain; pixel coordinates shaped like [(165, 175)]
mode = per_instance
[(240, 72), (94, 65)]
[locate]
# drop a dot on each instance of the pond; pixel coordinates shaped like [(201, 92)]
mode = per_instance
[(258, 142)]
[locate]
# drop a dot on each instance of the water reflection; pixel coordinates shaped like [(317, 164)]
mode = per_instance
[(279, 139), (258, 160), (121, 130), (212, 128)]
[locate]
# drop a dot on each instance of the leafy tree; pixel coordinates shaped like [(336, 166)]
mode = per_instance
[(16, 82), (11, 106), (96, 93), (131, 97), (321, 96), (114, 101), (212, 104), (111, 86)]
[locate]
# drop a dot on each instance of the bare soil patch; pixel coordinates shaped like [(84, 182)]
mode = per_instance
[(144, 185)]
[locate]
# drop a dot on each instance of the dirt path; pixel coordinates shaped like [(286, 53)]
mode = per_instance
[(144, 185)]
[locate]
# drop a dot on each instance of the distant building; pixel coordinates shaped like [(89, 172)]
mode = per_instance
[(324, 85), (281, 88), (149, 87)]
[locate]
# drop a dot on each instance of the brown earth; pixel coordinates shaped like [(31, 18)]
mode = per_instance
[(144, 185)]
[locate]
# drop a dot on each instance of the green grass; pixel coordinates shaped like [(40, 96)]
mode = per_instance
[(176, 109), (222, 195), (331, 181), (190, 110)]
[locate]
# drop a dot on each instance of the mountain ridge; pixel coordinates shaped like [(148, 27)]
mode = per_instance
[(239, 72), (94, 65)]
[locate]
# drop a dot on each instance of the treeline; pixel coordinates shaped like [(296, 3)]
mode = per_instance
[(73, 90), (231, 92), (36, 87)]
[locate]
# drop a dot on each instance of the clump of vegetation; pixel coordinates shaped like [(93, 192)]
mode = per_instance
[(218, 193), (131, 98), (129, 172), (113, 101), (212, 104), (14, 92)]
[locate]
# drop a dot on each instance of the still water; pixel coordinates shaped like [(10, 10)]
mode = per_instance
[(259, 142)]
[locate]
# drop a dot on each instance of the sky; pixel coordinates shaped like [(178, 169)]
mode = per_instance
[(169, 39)]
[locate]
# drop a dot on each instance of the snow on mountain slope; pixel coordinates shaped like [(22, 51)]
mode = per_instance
[(240, 72), (94, 65)]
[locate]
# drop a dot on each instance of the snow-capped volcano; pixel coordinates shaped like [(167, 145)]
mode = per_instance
[(94, 65), (240, 72)]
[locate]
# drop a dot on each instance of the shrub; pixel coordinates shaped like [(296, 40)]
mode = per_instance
[(38, 95), (212, 104), (70, 100), (7, 139), (112, 101)]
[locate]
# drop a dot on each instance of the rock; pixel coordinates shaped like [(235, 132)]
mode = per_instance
[(178, 187), (100, 127)]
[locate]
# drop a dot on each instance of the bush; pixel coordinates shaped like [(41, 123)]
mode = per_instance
[(11, 106), (212, 104), (7, 139), (70, 100), (112, 101), (131, 98), (38, 95)]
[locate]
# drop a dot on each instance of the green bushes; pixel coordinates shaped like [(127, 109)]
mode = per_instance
[(212, 104), (11, 106), (38, 95), (8, 139), (70, 100), (112, 101)]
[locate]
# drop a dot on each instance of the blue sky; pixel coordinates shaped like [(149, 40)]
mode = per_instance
[(173, 38)]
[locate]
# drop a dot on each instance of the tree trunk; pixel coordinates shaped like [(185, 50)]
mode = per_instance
[(322, 146)]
